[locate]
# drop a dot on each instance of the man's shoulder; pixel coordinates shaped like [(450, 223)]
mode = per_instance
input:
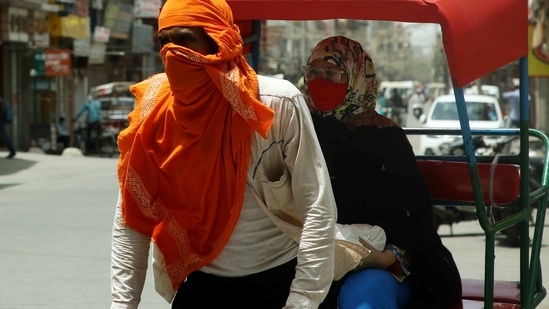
[(270, 86), (511, 93), (93, 104), (155, 82)]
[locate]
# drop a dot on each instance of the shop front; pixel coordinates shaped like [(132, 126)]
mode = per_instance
[(24, 29)]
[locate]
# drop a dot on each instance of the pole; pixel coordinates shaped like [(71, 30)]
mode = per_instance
[(34, 142)]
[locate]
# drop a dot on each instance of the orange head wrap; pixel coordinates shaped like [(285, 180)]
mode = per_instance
[(214, 16)]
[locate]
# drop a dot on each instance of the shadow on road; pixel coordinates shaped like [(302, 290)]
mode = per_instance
[(12, 166)]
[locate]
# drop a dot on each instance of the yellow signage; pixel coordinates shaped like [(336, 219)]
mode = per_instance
[(71, 26), (538, 51)]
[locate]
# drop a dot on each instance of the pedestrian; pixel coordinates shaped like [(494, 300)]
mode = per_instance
[(395, 99), (222, 170), (63, 135), (398, 110), (513, 99), (6, 117), (381, 106), (376, 180), (92, 108)]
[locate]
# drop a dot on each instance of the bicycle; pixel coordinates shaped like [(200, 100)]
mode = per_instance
[(103, 140)]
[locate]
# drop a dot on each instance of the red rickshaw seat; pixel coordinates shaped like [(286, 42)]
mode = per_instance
[(450, 181)]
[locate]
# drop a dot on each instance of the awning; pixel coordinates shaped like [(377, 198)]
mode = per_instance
[(479, 36)]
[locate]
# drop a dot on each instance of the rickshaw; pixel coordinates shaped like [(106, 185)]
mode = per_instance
[(479, 37)]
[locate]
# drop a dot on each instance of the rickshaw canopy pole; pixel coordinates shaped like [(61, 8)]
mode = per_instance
[(478, 36)]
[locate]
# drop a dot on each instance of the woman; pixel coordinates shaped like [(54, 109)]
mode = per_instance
[(376, 180)]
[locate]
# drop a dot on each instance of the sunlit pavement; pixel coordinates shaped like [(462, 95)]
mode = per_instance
[(56, 214), (55, 223)]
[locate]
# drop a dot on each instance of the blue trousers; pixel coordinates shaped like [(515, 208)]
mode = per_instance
[(373, 289)]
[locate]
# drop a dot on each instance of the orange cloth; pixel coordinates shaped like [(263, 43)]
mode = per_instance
[(184, 157)]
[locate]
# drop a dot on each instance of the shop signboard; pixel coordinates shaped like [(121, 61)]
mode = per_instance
[(58, 62), (101, 34), (81, 48), (52, 62), (97, 53), (142, 39), (29, 26), (81, 7), (39, 62), (118, 18), (147, 8), (538, 53)]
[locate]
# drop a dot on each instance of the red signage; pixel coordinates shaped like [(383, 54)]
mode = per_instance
[(58, 62)]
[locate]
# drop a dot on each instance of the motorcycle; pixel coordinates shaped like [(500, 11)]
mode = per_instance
[(416, 102), (489, 146), (417, 109), (394, 113)]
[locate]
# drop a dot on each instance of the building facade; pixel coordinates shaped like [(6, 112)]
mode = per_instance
[(52, 53)]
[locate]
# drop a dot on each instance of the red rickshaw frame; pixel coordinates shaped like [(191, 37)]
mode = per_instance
[(479, 37)]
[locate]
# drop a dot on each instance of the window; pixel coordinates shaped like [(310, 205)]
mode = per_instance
[(477, 111)]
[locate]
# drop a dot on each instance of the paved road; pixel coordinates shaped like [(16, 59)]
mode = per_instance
[(55, 223)]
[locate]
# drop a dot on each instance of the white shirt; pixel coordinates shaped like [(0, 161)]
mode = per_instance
[(288, 174)]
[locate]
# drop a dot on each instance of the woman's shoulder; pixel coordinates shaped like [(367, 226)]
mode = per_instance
[(384, 132)]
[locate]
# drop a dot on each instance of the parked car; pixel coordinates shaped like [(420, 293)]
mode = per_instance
[(484, 112)]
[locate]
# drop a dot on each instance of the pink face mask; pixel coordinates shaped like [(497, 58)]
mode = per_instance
[(326, 95)]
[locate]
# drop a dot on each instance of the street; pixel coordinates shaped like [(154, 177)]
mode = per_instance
[(55, 225)]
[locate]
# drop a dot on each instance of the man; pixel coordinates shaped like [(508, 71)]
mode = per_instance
[(398, 108), (222, 170), (63, 136), (92, 108), (513, 99), (5, 118)]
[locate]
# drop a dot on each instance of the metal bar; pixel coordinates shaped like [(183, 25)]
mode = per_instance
[(256, 30), (526, 286)]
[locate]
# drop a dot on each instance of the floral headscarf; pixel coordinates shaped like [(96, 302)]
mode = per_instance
[(358, 109)]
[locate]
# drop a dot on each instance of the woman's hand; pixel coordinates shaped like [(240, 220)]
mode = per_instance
[(387, 260), (376, 259)]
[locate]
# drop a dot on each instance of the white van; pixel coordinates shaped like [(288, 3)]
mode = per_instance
[(405, 88)]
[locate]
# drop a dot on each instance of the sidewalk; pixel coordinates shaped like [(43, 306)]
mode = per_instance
[(56, 217)]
